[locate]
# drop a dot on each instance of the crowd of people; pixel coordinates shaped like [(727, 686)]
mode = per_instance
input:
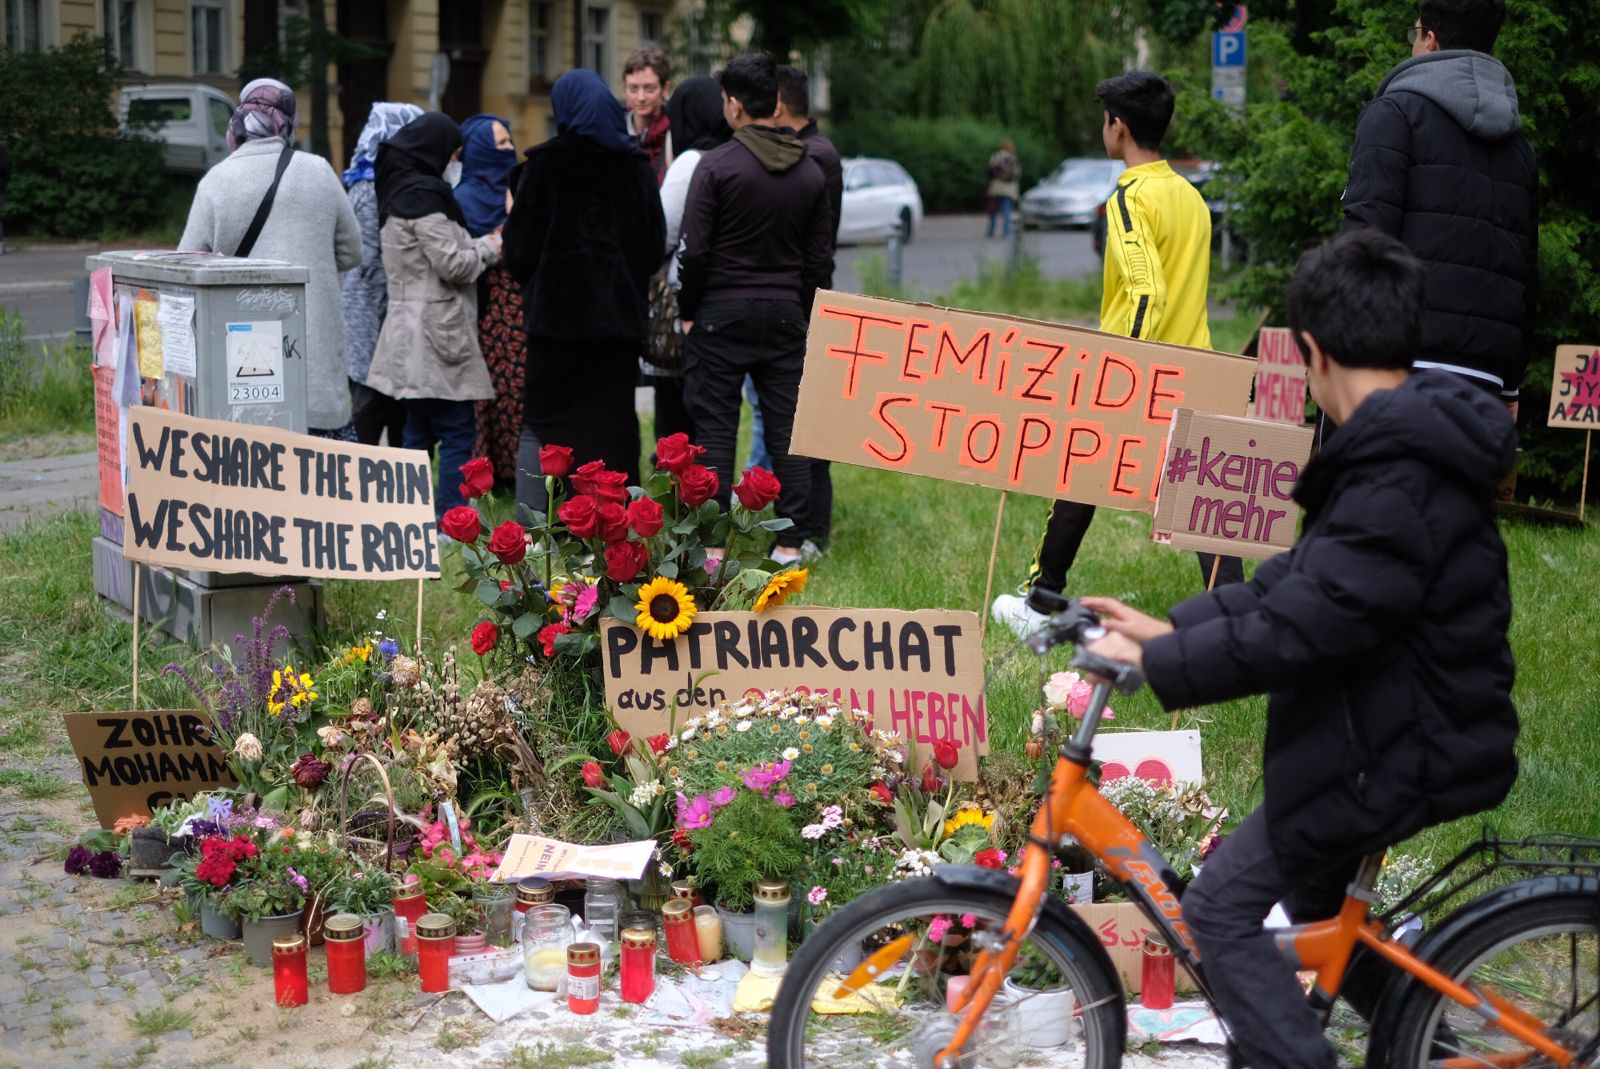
[(463, 301)]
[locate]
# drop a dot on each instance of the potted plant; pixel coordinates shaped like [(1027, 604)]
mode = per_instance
[(321, 867), (369, 894), (748, 838), (270, 904), (1043, 1006), (211, 874)]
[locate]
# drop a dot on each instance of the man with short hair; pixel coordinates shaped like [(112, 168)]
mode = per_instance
[(1440, 162), (757, 243), (1157, 273), (646, 82)]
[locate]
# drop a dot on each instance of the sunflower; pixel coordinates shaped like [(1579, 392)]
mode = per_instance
[(780, 586), (665, 608), (968, 814)]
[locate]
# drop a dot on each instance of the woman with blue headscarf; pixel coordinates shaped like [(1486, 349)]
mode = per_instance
[(584, 236), (364, 292), (487, 156)]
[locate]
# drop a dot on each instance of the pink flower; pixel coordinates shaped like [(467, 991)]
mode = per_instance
[(817, 895), (968, 921), (783, 798), (1070, 691), (938, 928), (780, 770), (694, 815), (585, 603), (815, 831), (832, 816), (723, 796), (712, 564)]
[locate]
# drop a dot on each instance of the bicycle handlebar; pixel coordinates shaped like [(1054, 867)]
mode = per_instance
[(1071, 621)]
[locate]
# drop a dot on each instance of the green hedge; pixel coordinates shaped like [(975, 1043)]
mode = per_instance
[(948, 158)]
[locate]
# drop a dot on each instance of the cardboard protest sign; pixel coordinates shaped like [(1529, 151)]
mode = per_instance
[(1226, 485), (1280, 378), (534, 855), (233, 497), (1165, 758), (916, 673), (135, 761), (1121, 928), (1575, 391), (1016, 404)]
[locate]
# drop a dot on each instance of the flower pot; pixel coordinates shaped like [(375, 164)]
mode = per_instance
[(739, 932), (471, 943), (1044, 1018), (259, 934), (379, 931), (150, 851), (215, 923)]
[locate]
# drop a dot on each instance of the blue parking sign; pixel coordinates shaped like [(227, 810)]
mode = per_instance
[(1227, 49)]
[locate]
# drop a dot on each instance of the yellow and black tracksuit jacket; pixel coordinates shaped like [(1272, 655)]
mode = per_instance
[(1158, 258)]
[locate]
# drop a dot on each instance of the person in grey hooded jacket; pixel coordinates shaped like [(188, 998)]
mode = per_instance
[(1441, 163)]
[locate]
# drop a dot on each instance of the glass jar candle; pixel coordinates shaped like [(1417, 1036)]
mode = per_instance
[(602, 905), (531, 891), (409, 907), (546, 934), (289, 970), (583, 977), (638, 963), (495, 903), (346, 943), (708, 930), (771, 943), (683, 943), (687, 889), (1157, 974), (436, 941)]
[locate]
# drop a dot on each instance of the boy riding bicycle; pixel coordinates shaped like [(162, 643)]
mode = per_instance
[(1380, 639)]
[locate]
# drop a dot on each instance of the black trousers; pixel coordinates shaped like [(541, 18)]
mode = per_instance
[(672, 415), (373, 413), (767, 341), (1063, 534), (578, 393)]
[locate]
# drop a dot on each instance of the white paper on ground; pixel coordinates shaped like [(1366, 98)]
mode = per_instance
[(1191, 1022), (507, 999), (693, 999)]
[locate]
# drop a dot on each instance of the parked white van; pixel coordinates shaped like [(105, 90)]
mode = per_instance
[(190, 120)]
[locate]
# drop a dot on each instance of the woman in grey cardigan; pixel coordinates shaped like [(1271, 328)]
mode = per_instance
[(428, 353), (311, 224)]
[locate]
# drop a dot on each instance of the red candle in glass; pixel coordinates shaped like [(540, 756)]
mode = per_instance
[(683, 939), (346, 944), (409, 907), (638, 964), (583, 977), (1157, 975), (687, 889), (436, 941), (289, 970)]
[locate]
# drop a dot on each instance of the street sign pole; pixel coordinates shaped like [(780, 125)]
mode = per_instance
[(1228, 67)]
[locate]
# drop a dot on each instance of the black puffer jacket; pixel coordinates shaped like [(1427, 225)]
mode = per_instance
[(1440, 162), (1380, 637)]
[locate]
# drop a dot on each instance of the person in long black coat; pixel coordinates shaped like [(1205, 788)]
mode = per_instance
[(584, 235), (1380, 639)]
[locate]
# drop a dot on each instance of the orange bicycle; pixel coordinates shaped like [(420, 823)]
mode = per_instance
[(1510, 979)]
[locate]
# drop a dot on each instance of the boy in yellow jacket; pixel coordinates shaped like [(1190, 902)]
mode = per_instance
[(1157, 273)]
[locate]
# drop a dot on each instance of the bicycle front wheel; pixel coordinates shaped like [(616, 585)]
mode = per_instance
[(1543, 958), (900, 1019)]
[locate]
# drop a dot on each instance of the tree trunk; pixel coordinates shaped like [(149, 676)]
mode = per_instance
[(317, 75)]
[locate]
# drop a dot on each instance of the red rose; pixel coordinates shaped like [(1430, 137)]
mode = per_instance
[(555, 460), (611, 486), (757, 490), (478, 474), (581, 515), (618, 740), (697, 485), (613, 522), (881, 792), (625, 560), (583, 479), (505, 585), (675, 453), (644, 516), (461, 523), (657, 743), (944, 752), (680, 839), (989, 859), (484, 637), (509, 542), (592, 776), (548, 635), (931, 781)]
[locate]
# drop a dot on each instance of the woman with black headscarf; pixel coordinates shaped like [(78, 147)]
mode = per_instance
[(584, 235), (427, 353)]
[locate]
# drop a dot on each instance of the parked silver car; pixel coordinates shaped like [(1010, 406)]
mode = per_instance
[(880, 199), (1072, 193), (190, 120)]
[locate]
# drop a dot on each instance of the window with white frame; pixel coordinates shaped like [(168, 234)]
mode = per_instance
[(541, 31), (119, 21), (24, 25), (652, 27), (597, 40), (207, 37)]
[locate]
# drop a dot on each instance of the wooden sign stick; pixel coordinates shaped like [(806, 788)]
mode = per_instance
[(988, 584), (418, 651), (1211, 584), (136, 585)]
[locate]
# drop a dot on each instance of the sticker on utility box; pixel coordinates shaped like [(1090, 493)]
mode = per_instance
[(255, 363)]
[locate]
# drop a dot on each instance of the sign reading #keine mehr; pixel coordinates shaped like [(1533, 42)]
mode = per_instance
[(919, 674)]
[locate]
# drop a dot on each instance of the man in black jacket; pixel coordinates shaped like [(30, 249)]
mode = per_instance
[(757, 242), (1380, 638), (1441, 163)]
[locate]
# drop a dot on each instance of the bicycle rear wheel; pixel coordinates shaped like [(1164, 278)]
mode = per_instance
[(901, 1017), (1542, 957)]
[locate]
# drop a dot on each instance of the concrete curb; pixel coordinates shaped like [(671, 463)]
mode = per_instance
[(35, 289)]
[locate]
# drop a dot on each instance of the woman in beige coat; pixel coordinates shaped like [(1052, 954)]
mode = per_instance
[(427, 354)]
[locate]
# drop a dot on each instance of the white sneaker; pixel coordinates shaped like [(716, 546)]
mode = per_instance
[(809, 551), (1012, 610)]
